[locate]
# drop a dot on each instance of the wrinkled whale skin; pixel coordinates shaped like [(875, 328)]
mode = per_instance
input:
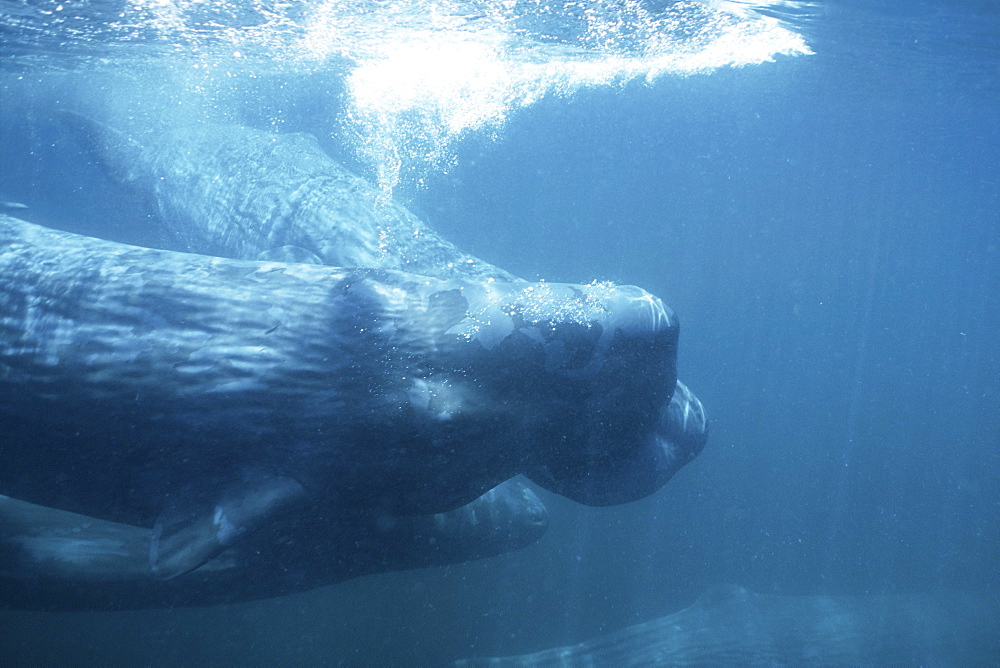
[(250, 386), (239, 192)]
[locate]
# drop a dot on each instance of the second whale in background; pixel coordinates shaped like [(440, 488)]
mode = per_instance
[(244, 193), (732, 626)]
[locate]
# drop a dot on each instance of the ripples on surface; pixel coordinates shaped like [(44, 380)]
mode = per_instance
[(418, 73)]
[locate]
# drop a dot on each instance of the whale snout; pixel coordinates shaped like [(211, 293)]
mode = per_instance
[(635, 312), (579, 328), (683, 423), (624, 465), (630, 340)]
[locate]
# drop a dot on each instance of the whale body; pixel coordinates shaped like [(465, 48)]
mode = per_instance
[(203, 397), (239, 192), (242, 193), (732, 626)]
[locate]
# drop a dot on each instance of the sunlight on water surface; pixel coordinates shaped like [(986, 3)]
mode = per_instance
[(419, 74)]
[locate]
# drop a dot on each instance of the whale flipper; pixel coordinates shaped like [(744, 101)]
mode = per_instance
[(195, 528), (53, 559)]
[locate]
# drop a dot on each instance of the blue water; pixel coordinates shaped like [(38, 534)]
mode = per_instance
[(827, 227)]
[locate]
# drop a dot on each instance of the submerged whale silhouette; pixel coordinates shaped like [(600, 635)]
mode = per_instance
[(206, 397), (731, 626)]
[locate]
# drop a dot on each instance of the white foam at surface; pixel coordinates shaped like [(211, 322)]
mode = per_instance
[(420, 74)]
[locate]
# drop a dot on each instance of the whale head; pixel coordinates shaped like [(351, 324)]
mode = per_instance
[(593, 371)]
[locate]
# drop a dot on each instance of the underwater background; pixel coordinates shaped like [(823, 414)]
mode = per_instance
[(823, 216)]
